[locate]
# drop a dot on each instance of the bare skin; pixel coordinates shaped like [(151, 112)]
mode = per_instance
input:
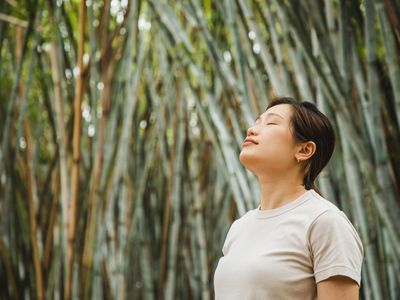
[(277, 161), (337, 288)]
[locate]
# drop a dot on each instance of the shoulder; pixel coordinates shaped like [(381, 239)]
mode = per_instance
[(333, 224), (246, 217), (327, 216), (331, 218), (314, 207), (328, 220), (320, 204), (335, 246)]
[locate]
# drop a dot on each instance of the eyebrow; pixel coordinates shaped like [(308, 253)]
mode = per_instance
[(271, 114)]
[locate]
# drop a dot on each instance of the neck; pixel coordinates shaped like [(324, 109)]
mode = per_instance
[(276, 192)]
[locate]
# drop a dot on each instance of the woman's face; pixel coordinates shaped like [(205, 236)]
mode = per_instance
[(275, 147)]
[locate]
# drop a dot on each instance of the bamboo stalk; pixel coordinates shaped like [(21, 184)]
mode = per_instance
[(93, 197), (240, 58), (268, 19), (392, 56), (12, 287), (169, 293), (13, 20), (5, 155), (381, 158), (61, 141), (76, 153), (93, 206), (199, 221), (32, 199), (391, 10), (296, 58), (224, 72), (266, 57)]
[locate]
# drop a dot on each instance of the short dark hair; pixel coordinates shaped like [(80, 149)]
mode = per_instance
[(309, 124)]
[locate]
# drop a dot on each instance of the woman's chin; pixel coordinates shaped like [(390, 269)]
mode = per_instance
[(248, 160)]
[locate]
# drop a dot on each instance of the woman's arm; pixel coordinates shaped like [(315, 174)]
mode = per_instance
[(337, 288)]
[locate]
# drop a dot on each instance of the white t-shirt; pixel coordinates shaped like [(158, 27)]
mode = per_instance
[(282, 253)]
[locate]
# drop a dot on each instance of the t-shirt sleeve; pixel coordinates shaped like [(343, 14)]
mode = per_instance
[(335, 246)]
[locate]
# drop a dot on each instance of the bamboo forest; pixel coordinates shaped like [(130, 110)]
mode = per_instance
[(121, 124)]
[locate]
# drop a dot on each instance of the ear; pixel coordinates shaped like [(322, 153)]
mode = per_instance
[(305, 151)]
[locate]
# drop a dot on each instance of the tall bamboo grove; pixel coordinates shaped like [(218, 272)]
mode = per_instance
[(121, 124)]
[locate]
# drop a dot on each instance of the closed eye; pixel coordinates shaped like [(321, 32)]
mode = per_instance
[(271, 123)]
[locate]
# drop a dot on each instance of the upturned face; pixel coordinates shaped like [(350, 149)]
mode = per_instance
[(270, 145)]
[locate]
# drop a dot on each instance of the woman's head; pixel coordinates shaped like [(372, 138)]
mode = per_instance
[(290, 136)]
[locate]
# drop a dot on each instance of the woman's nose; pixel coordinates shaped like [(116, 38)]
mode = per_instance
[(250, 131)]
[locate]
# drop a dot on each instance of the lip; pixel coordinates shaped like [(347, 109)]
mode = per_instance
[(249, 141)]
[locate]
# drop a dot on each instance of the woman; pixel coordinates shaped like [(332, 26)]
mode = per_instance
[(295, 244)]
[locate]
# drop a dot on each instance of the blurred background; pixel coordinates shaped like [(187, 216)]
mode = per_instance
[(121, 123)]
